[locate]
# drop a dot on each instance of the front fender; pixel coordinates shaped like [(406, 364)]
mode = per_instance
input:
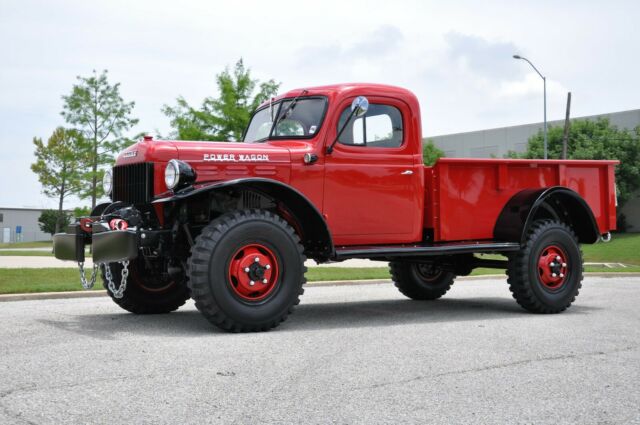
[(316, 236)]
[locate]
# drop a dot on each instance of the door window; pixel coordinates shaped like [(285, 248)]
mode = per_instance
[(380, 127)]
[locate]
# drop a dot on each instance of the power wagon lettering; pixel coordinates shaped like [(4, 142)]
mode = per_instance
[(231, 157)]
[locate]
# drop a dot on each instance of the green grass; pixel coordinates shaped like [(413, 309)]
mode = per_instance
[(26, 254), (15, 281), (623, 248), (42, 244)]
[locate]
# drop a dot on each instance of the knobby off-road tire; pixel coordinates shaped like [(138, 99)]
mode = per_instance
[(147, 292), (246, 271), (421, 281), (545, 276)]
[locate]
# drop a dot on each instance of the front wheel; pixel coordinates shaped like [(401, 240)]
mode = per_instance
[(545, 276), (420, 281), (148, 291), (246, 271)]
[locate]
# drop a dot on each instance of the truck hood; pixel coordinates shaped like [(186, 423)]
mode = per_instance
[(214, 160)]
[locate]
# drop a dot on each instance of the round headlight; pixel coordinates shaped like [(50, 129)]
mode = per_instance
[(107, 182), (172, 174)]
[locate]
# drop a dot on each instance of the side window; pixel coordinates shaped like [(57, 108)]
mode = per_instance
[(380, 127)]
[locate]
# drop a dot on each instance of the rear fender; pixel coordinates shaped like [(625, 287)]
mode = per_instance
[(558, 202)]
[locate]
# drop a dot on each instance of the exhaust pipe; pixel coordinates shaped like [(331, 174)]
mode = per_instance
[(606, 237)]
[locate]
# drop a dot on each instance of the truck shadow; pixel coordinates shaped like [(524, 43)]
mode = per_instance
[(313, 316)]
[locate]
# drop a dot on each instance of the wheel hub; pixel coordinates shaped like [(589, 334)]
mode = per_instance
[(253, 272), (552, 267)]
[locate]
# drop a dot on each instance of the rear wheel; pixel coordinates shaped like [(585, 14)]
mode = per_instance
[(545, 276), (148, 291), (420, 281), (246, 271)]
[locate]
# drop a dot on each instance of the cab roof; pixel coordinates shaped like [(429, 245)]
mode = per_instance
[(349, 89)]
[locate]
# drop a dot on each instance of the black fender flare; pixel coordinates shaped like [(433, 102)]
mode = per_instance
[(520, 211), (316, 236)]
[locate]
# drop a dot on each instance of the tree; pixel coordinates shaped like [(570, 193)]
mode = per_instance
[(50, 221), (595, 139), (57, 165), (81, 212), (225, 117), (96, 109), (431, 153)]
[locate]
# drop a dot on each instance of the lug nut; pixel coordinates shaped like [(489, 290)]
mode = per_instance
[(257, 260), (564, 264), (561, 274), (268, 266), (553, 275), (246, 269), (552, 264), (558, 258), (251, 283), (264, 281)]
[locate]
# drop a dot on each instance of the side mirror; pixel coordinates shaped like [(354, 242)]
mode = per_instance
[(360, 106)]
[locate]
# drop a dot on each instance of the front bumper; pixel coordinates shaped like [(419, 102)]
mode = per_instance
[(108, 246)]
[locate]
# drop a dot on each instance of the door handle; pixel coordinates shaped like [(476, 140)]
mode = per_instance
[(407, 173)]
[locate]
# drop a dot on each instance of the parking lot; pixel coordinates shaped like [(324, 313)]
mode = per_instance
[(349, 354)]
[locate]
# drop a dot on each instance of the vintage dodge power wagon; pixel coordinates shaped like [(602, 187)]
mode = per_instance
[(333, 173)]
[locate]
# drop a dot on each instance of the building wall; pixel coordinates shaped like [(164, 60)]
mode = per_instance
[(25, 217), (497, 142)]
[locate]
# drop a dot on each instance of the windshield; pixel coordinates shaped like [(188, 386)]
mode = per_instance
[(302, 120)]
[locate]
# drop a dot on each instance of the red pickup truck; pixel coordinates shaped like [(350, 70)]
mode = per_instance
[(332, 173)]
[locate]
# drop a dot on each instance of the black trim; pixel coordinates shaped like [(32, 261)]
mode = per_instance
[(279, 103), (69, 246), (520, 211), (115, 245), (424, 250)]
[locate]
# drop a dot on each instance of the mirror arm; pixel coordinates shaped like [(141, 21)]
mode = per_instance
[(344, 126)]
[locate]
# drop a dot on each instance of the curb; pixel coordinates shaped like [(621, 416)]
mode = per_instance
[(103, 293)]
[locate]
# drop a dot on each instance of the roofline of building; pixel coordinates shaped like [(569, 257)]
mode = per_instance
[(540, 123), (29, 209)]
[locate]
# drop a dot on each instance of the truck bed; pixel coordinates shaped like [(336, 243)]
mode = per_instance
[(465, 196)]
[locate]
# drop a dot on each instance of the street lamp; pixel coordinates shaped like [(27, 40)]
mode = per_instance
[(544, 81)]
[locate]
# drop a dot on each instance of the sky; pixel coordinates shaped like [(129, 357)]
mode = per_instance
[(455, 56)]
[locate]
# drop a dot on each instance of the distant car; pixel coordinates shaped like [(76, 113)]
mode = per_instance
[(332, 173)]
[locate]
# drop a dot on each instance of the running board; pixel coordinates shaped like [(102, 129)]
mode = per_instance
[(423, 250)]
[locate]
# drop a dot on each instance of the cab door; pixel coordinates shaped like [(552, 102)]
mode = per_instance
[(373, 188)]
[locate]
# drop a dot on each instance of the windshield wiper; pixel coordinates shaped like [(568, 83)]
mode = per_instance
[(290, 107)]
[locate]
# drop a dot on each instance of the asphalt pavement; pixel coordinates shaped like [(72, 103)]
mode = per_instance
[(349, 354)]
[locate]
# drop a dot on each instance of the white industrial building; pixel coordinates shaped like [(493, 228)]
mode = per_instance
[(21, 225), (497, 142)]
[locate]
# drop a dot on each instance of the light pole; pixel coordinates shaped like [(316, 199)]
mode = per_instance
[(544, 82)]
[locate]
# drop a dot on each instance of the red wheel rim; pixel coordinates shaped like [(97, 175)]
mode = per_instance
[(253, 272), (553, 270)]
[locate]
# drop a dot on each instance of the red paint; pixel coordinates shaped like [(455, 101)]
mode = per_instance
[(253, 272), (553, 270), (362, 191), (86, 224)]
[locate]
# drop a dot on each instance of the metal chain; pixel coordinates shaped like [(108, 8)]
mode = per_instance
[(87, 284), (119, 291)]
